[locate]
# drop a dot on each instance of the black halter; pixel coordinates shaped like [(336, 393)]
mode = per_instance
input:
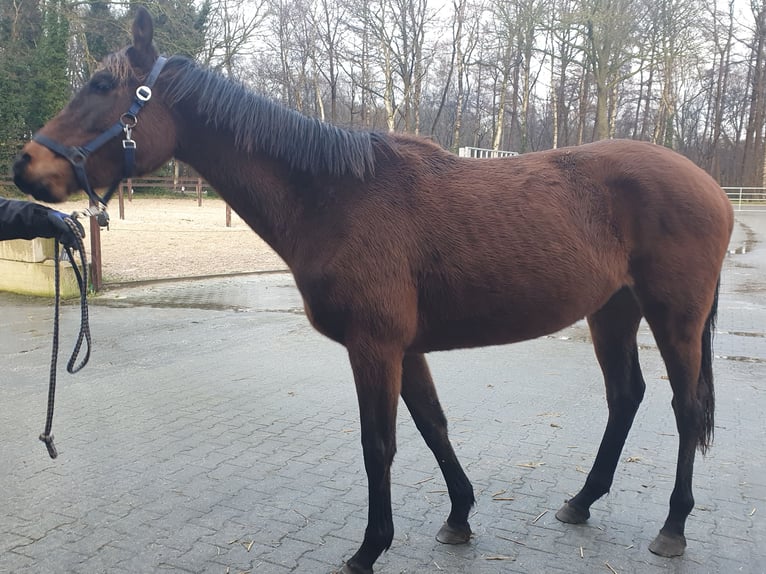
[(77, 155)]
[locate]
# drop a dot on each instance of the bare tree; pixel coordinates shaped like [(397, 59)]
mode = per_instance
[(563, 40), (328, 19), (752, 161), (673, 40), (609, 47), (618, 68), (230, 32)]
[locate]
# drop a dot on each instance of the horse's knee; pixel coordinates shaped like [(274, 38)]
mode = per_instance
[(378, 451), (625, 403)]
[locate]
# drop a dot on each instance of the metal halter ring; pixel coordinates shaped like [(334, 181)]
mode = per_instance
[(128, 120), (144, 93), (77, 157)]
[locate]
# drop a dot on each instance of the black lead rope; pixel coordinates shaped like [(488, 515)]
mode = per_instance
[(81, 275)]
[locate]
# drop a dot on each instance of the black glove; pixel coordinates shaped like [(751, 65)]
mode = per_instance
[(61, 229)]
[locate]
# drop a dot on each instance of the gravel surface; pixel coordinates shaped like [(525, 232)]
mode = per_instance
[(169, 238)]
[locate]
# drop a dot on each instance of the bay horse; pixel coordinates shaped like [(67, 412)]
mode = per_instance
[(399, 248)]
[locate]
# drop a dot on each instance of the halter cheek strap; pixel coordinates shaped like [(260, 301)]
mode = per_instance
[(77, 155)]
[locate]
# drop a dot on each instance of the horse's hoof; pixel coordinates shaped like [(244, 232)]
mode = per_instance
[(572, 514), (668, 545), (449, 534), (351, 569)]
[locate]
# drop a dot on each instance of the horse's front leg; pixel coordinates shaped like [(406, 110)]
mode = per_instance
[(377, 374)]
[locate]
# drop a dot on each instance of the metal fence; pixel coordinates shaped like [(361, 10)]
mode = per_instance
[(747, 198), (479, 152)]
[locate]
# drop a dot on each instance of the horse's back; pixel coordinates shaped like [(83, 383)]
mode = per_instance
[(515, 248)]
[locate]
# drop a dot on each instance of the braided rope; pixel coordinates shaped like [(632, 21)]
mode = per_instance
[(84, 334)]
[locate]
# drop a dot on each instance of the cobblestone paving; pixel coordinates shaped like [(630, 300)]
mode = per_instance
[(215, 432)]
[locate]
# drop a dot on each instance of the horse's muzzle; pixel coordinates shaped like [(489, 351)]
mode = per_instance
[(20, 164), (19, 169), (23, 182)]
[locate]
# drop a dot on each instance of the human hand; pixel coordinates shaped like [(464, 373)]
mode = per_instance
[(63, 232)]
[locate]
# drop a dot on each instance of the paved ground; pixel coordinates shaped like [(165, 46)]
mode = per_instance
[(213, 431)]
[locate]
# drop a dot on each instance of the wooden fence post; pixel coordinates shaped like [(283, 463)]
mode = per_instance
[(121, 201), (96, 276)]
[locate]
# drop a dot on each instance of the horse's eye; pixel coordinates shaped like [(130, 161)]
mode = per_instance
[(102, 84)]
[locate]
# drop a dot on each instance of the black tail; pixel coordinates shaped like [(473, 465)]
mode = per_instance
[(705, 389)]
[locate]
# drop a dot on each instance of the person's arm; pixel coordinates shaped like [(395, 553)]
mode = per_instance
[(27, 220)]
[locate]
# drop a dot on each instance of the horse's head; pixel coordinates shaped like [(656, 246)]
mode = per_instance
[(88, 139)]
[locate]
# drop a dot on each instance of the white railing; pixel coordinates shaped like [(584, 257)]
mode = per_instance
[(747, 198), (479, 152)]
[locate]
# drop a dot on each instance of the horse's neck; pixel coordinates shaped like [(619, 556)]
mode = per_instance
[(257, 188)]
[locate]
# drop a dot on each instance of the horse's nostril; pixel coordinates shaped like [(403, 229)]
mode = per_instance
[(22, 160)]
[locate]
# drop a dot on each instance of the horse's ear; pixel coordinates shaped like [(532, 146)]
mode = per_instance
[(142, 54)]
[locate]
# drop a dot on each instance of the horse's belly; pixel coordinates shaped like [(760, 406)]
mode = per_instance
[(441, 333)]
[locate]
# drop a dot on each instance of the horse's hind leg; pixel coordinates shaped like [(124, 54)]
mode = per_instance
[(613, 330), (420, 397), (683, 333)]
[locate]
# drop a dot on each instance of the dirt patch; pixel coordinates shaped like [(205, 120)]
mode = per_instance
[(167, 238)]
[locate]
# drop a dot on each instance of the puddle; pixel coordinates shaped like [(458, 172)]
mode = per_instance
[(579, 338), (748, 243), (291, 311), (742, 334), (574, 339), (252, 293), (181, 304), (158, 304), (751, 288), (641, 347), (740, 359)]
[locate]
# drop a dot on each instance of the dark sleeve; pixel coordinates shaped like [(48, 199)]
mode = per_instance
[(24, 220)]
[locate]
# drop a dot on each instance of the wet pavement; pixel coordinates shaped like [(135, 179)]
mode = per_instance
[(215, 431)]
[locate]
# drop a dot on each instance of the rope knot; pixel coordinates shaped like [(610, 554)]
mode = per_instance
[(48, 440)]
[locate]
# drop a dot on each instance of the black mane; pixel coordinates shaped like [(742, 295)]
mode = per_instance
[(258, 124)]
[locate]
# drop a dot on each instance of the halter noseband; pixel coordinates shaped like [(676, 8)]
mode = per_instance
[(77, 155)]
